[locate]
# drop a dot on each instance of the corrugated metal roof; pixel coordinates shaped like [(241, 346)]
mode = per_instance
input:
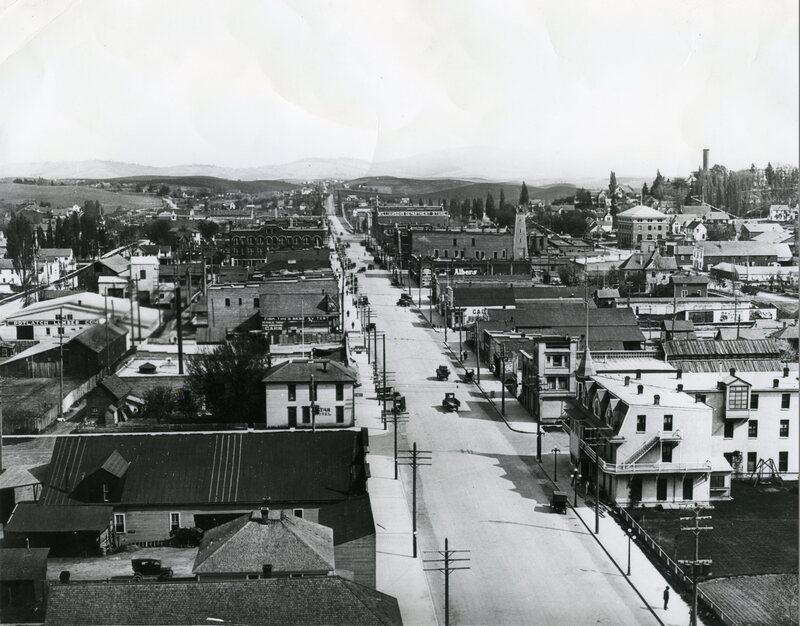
[(221, 468), (301, 372), (723, 365), (706, 348)]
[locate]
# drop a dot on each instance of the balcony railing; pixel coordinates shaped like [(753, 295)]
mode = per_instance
[(647, 468)]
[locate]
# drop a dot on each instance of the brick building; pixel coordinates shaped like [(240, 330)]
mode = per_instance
[(250, 246), (640, 224), (462, 244)]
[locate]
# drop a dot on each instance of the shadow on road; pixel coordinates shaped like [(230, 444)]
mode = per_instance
[(522, 472), (544, 509)]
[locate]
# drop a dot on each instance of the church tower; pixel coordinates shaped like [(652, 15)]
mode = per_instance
[(520, 237)]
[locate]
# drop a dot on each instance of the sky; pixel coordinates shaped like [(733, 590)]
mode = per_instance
[(537, 89)]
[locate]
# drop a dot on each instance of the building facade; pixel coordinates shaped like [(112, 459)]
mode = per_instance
[(640, 224)]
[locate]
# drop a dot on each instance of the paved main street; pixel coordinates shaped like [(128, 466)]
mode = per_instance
[(486, 493)]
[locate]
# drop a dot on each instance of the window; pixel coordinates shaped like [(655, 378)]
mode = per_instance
[(473, 241), (256, 303), (557, 383), (684, 293), (142, 274), (495, 254), (47, 330), (436, 253), (292, 392), (666, 454), (477, 254), (668, 422), (504, 253), (784, 431), (737, 397), (455, 242), (727, 429), (641, 423), (786, 400), (240, 302), (306, 415), (783, 461), (105, 492), (752, 429), (339, 392), (119, 523), (227, 301), (751, 461), (718, 481), (701, 397), (297, 512), (292, 415), (753, 400), (340, 415), (446, 253), (174, 521)]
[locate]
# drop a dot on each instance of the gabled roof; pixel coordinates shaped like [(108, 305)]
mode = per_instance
[(689, 280), (678, 325), (38, 517), (98, 336), (745, 248), (350, 519), (607, 293), (245, 544), (222, 468), (301, 371), (115, 465), (328, 600), (117, 387), (707, 348), (54, 253), (483, 296), (116, 263), (23, 564)]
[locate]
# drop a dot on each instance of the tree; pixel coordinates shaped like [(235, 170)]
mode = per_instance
[(163, 190), (159, 404), (657, 188), (491, 211), (769, 172), (20, 248), (523, 195), (720, 232), (612, 185), (228, 380), (645, 191), (568, 274), (208, 229), (49, 235), (502, 202), (158, 231)]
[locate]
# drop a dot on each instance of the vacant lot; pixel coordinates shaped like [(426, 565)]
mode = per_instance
[(755, 533), (12, 194), (181, 560), (766, 599)]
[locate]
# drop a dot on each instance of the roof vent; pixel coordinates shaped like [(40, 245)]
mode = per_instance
[(732, 371), (266, 570), (627, 380), (786, 372), (638, 374), (656, 399), (775, 383), (679, 374), (680, 386), (639, 390)]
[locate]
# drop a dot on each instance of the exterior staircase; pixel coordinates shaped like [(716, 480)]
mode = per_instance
[(644, 449)]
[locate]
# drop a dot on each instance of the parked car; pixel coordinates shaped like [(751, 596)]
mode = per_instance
[(150, 568), (450, 402), (403, 302), (361, 269)]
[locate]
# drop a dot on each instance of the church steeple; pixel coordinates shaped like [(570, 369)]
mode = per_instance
[(586, 366)]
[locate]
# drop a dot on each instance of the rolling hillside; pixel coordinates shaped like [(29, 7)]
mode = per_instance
[(13, 194), (511, 191), (410, 186), (211, 183)]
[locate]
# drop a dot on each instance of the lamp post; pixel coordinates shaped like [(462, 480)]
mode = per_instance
[(630, 532), (576, 480), (555, 452)]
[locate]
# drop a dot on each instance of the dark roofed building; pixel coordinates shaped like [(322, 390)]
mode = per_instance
[(678, 329), (707, 355), (23, 572), (106, 402), (277, 601), (353, 537), (690, 286), (68, 530), (205, 479)]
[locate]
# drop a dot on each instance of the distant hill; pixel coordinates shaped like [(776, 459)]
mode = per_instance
[(13, 194), (211, 183), (304, 169), (510, 189), (410, 186)]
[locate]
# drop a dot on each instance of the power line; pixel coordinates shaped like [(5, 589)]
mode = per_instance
[(448, 557), (415, 458)]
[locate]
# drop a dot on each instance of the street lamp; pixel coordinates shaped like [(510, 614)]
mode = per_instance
[(555, 452), (576, 480), (630, 532)]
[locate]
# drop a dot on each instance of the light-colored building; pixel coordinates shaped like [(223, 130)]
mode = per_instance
[(782, 213), (640, 224), (649, 444), (55, 263), (289, 401), (144, 271)]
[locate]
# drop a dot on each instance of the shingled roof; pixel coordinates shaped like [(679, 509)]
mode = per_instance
[(34, 517), (290, 544), (323, 371), (98, 336), (280, 601), (23, 564), (221, 468)]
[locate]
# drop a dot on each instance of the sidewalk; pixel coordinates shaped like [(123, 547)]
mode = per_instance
[(397, 572)]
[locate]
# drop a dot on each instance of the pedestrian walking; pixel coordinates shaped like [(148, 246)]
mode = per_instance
[(666, 597)]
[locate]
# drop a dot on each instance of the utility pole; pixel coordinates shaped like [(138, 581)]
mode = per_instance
[(179, 327), (397, 418), (699, 567), (539, 386), (596, 440), (61, 361), (383, 341), (312, 394), (446, 560), (477, 351), (415, 458), (503, 382)]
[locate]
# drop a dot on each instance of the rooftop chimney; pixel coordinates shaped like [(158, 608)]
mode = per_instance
[(680, 386), (638, 374), (732, 371), (679, 374), (639, 390), (775, 383), (266, 570), (786, 372), (705, 159), (627, 380), (324, 366), (656, 399)]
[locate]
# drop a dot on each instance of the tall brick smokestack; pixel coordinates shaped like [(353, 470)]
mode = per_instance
[(705, 159)]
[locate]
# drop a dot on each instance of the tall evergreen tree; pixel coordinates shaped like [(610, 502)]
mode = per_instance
[(49, 235), (523, 195), (501, 205), (491, 211), (20, 248), (612, 184)]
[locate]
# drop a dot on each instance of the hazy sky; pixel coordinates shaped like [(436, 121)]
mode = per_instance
[(551, 88)]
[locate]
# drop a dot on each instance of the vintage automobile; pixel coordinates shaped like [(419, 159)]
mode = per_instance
[(150, 568), (469, 376), (450, 402), (403, 302), (558, 502), (442, 372)]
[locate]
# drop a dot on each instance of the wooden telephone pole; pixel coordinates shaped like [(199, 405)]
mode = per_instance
[(415, 458), (699, 567), (445, 565)]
